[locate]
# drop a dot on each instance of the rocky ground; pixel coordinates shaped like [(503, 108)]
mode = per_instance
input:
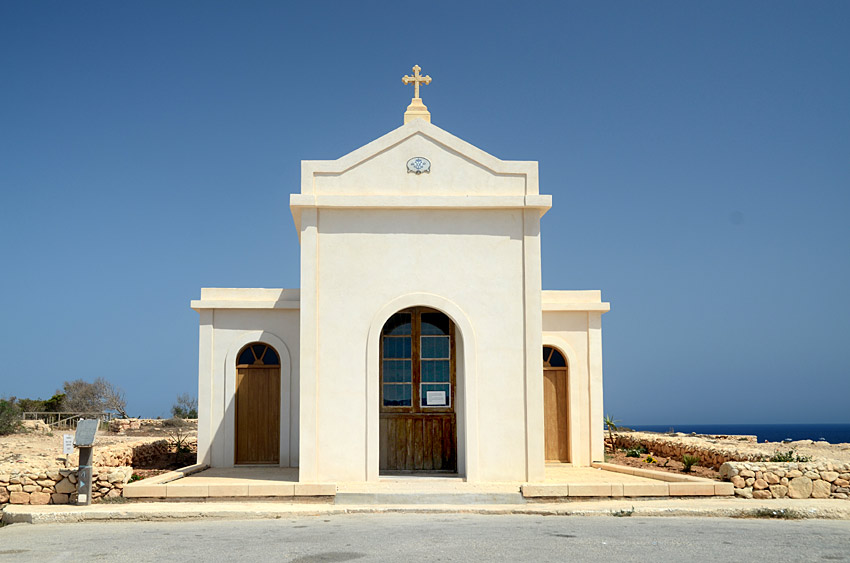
[(660, 463), (40, 448), (747, 445)]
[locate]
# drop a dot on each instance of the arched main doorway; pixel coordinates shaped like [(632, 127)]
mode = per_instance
[(556, 405), (257, 405), (418, 422)]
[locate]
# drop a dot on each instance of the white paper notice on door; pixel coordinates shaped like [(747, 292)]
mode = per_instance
[(435, 398)]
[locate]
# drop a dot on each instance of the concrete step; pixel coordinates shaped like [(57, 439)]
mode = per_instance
[(421, 498)]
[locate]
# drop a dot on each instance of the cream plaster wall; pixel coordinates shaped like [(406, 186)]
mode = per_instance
[(382, 175), (572, 324), (464, 236), (475, 260), (230, 319)]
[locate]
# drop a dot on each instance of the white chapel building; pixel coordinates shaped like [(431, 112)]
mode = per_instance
[(420, 340)]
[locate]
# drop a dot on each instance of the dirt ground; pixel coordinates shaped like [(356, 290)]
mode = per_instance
[(35, 449), (817, 451), (660, 463)]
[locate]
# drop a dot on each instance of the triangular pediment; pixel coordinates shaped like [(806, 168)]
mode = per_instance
[(451, 167)]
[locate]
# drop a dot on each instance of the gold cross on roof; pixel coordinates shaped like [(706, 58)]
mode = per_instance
[(416, 79)]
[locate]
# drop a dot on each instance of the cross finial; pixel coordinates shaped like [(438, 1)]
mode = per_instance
[(416, 79), (416, 109)]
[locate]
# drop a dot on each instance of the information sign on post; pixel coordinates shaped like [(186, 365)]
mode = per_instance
[(67, 444), (84, 439)]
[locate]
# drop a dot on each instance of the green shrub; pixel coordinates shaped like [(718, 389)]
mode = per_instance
[(689, 461), (10, 417), (635, 452), (175, 422), (788, 456), (185, 407)]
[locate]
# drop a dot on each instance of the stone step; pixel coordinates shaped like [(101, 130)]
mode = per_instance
[(428, 498), (453, 498)]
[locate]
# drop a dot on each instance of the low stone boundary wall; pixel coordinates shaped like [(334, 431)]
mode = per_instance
[(113, 467), (134, 454), (59, 486), (677, 446), (763, 480), (121, 425)]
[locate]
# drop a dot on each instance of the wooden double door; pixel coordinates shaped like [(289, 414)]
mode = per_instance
[(556, 410), (418, 422), (258, 406)]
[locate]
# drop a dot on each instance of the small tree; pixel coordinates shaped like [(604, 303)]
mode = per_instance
[(185, 407), (113, 398), (30, 405), (10, 416), (82, 396), (99, 396), (612, 427), (55, 403)]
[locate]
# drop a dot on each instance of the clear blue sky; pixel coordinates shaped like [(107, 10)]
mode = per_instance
[(698, 154)]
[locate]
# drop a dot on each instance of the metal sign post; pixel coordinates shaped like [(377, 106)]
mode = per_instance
[(84, 440)]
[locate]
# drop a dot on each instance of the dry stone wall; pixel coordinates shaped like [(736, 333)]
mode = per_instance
[(59, 486), (763, 480), (113, 467), (711, 455), (122, 425), (751, 477), (134, 454)]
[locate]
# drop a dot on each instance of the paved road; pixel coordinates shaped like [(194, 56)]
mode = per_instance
[(440, 537)]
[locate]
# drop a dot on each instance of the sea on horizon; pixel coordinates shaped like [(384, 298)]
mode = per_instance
[(832, 433)]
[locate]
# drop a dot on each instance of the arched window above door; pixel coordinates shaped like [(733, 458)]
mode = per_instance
[(552, 358), (258, 354), (417, 360)]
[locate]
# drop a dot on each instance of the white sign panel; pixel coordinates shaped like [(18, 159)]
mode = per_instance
[(67, 444), (435, 398)]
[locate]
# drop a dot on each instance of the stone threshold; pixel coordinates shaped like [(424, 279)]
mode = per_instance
[(168, 486), (665, 485)]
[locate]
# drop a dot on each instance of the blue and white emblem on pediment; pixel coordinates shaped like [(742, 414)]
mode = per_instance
[(418, 165)]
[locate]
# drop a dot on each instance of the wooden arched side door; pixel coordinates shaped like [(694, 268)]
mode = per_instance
[(418, 424), (556, 405), (258, 405)]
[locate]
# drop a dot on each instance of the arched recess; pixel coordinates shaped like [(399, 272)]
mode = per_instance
[(467, 395), (576, 426), (556, 408), (287, 443), (258, 401)]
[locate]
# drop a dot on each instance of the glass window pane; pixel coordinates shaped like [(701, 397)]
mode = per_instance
[(397, 395), (246, 357), (390, 395), (397, 347), (435, 323), (557, 360), (546, 351), (397, 371), (435, 346), (271, 359), (439, 397), (436, 371), (398, 324), (259, 350)]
